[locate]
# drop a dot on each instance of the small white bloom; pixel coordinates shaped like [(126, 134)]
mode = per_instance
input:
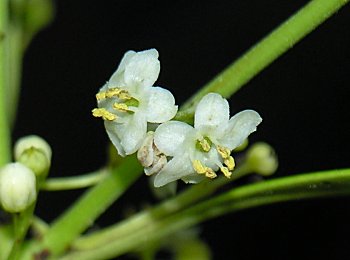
[(17, 187), (198, 152), (128, 101)]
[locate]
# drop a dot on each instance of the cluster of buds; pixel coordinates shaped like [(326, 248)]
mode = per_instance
[(19, 180)]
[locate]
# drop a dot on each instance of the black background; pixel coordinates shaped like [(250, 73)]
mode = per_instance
[(303, 98)]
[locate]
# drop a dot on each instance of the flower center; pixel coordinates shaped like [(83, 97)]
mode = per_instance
[(125, 103), (226, 168)]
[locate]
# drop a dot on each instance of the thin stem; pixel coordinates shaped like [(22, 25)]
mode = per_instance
[(264, 52), (304, 186), (82, 213), (4, 125), (188, 197), (75, 182)]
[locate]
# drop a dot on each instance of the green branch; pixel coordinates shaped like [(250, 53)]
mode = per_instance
[(83, 212), (4, 123), (305, 186), (264, 52)]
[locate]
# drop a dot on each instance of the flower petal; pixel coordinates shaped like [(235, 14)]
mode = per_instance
[(239, 128), (112, 131), (211, 112), (170, 136), (160, 106), (133, 132), (177, 168), (143, 68), (117, 79)]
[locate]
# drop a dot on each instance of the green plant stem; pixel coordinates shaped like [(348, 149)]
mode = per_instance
[(305, 186), (4, 124), (82, 213), (21, 223), (188, 197), (75, 182), (264, 52)]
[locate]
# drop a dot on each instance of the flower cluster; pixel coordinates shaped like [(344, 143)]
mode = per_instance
[(175, 150)]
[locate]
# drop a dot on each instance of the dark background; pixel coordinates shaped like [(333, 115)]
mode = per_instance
[(303, 98)]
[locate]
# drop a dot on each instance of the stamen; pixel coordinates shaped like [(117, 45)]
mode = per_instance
[(121, 107), (113, 92), (230, 162), (226, 172), (201, 169), (223, 151), (119, 93), (198, 167), (205, 145), (210, 173), (100, 95), (102, 112)]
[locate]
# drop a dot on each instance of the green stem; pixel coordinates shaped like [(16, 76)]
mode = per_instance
[(266, 51), (4, 125), (88, 207), (304, 186), (21, 223), (75, 182), (188, 197)]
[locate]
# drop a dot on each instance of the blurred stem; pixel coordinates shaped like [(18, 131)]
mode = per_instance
[(4, 124), (264, 52), (304, 186), (190, 196), (21, 223), (89, 206), (75, 182)]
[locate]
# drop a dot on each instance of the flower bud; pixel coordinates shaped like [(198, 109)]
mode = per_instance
[(17, 187), (35, 153), (262, 159)]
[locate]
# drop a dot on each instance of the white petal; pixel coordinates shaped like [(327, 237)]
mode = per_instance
[(112, 131), (211, 112), (133, 132), (177, 168), (239, 128), (143, 68), (170, 136), (193, 178), (160, 106), (117, 79)]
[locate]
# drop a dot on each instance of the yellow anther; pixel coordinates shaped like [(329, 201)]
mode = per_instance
[(119, 93), (230, 163), (102, 112), (201, 169), (100, 95), (121, 107), (205, 145), (223, 151), (226, 172), (198, 167), (210, 173)]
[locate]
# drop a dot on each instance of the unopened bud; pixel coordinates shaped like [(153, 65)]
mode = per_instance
[(35, 153), (17, 187), (262, 159)]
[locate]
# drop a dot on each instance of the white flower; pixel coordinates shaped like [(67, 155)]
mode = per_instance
[(128, 101), (17, 187), (205, 148)]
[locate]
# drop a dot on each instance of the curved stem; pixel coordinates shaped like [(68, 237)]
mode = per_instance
[(188, 197), (304, 186), (89, 206), (264, 52), (75, 182)]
